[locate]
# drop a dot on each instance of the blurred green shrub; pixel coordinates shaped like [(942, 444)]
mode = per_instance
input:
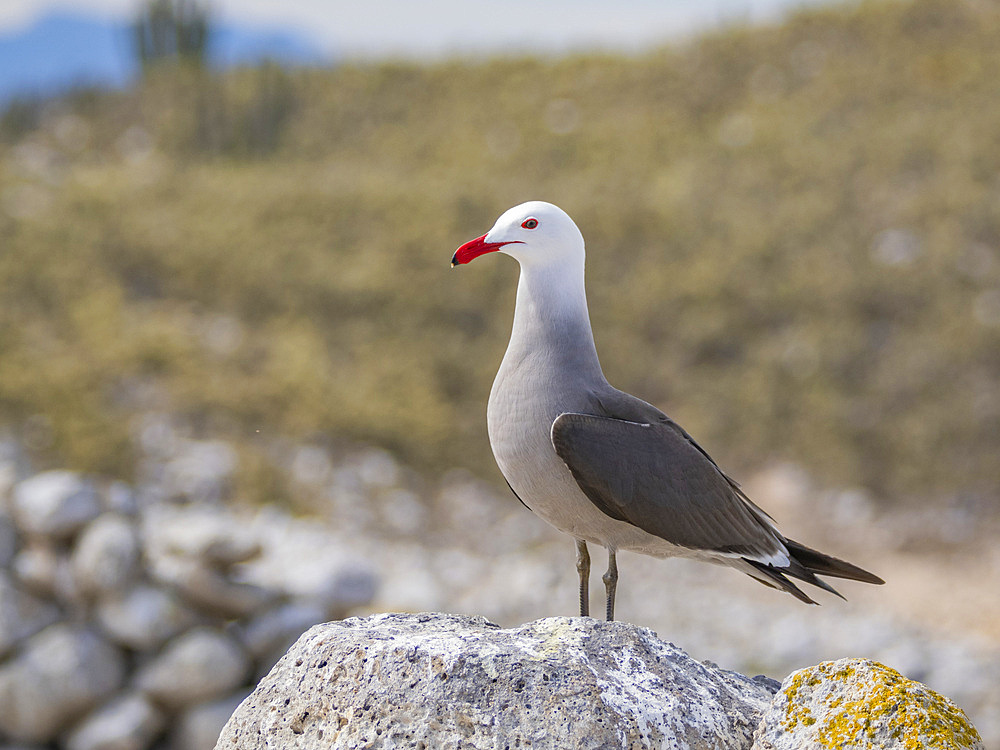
[(793, 235)]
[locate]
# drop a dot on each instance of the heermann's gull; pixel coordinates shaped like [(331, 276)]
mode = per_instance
[(597, 463)]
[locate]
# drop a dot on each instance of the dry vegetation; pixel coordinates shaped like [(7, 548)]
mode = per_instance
[(793, 234)]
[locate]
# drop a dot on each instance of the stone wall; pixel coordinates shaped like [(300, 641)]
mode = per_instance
[(130, 624)]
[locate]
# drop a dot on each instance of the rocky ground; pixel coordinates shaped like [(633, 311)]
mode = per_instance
[(111, 600)]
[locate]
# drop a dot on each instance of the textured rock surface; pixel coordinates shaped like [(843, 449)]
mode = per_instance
[(452, 681), (863, 705), (63, 672)]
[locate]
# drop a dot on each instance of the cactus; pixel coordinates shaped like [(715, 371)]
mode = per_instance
[(171, 30)]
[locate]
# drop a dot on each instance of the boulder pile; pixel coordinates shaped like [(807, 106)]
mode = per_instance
[(127, 624)]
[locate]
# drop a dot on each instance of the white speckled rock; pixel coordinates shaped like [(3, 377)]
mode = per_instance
[(106, 556), (129, 722), (447, 681), (60, 674), (143, 617), (55, 503), (862, 705), (21, 614), (199, 666)]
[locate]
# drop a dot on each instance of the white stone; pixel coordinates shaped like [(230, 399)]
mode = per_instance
[(144, 617), (36, 567), (212, 536), (450, 681), (198, 666), (198, 728), (59, 675), (55, 503), (106, 555), (129, 722)]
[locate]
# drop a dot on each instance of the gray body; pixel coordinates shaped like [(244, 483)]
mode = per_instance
[(550, 369)]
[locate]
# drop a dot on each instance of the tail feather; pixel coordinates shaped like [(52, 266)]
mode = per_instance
[(805, 564), (825, 565)]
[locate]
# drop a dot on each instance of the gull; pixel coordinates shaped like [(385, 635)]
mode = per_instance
[(599, 464)]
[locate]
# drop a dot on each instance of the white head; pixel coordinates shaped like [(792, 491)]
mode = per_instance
[(535, 234)]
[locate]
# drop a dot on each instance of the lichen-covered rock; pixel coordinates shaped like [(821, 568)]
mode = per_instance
[(60, 674), (55, 503), (129, 722), (199, 666), (862, 705), (451, 681)]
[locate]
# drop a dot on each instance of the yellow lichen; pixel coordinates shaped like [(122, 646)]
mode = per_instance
[(890, 705)]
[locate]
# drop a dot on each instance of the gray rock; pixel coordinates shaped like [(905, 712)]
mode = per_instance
[(198, 666), (21, 614), (121, 499), (144, 617), (106, 555), (210, 535), (280, 627), (55, 503), (8, 539), (61, 673), (210, 589), (453, 681), (129, 722), (199, 727), (860, 703), (352, 586), (37, 568), (45, 571)]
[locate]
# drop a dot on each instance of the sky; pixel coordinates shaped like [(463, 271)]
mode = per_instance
[(411, 28)]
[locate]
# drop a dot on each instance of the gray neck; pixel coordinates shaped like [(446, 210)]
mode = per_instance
[(551, 315)]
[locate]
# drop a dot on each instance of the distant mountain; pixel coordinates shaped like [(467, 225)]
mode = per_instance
[(65, 49)]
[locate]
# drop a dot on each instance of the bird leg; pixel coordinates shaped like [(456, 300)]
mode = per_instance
[(583, 568), (611, 583)]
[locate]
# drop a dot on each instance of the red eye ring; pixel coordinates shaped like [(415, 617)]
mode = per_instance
[(530, 223)]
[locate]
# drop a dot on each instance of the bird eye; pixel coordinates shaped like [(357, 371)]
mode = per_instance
[(530, 223)]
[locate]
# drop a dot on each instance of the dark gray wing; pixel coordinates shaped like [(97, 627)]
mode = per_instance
[(652, 475)]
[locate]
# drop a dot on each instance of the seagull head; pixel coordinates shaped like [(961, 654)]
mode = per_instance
[(534, 234)]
